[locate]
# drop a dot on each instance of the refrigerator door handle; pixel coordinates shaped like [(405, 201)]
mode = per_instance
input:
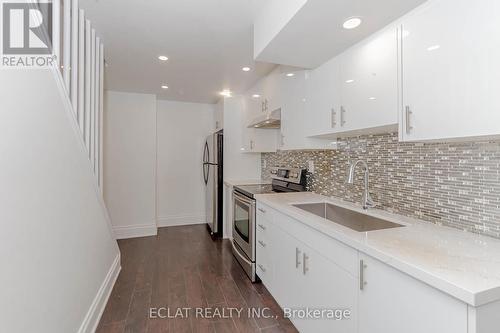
[(205, 173), (206, 154)]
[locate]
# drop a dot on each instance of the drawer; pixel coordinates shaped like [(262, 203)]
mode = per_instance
[(263, 261), (264, 272), (262, 251), (264, 214)]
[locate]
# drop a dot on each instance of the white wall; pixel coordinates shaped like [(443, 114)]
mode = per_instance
[(182, 129), (59, 258), (130, 163)]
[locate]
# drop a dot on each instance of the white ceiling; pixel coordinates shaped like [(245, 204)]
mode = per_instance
[(317, 26), (207, 42)]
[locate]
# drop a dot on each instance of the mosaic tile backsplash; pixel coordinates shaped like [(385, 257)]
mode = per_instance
[(452, 184)]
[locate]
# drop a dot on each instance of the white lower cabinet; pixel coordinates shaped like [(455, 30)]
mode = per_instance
[(393, 302), (304, 269), (303, 279)]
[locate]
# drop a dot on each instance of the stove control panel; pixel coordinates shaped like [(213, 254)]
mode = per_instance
[(292, 175)]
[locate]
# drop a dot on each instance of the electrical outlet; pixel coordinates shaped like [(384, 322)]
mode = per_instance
[(311, 167)]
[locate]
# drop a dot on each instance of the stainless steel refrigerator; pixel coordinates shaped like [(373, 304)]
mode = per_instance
[(212, 174)]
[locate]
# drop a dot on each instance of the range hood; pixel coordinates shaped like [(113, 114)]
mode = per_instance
[(269, 120)]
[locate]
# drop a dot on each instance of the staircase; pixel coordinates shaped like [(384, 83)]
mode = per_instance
[(80, 60)]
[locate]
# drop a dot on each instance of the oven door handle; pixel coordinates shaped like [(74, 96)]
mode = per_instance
[(243, 199), (242, 256)]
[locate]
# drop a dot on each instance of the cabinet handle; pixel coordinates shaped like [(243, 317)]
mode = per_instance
[(262, 268), (297, 257), (408, 123), (266, 105), (282, 139), (262, 210), (262, 244), (362, 268), (262, 227), (251, 144), (304, 266), (334, 118), (342, 116)]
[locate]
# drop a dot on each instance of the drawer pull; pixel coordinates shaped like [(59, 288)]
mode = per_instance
[(262, 227), (262, 210), (297, 257), (362, 282), (262, 244), (262, 268), (304, 266)]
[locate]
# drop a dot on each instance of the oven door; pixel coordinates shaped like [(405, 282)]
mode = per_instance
[(244, 224)]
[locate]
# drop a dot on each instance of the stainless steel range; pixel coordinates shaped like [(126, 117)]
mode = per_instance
[(283, 180)]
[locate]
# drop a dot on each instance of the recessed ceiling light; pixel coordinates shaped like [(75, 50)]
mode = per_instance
[(164, 87), (372, 98), (255, 95), (349, 81), (163, 58), (225, 93), (433, 47), (352, 23), (290, 74), (245, 69)]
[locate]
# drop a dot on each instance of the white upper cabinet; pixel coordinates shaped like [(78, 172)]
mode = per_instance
[(451, 71), (272, 94), (356, 92), (369, 84), (323, 99), (256, 140), (292, 111), (294, 116), (254, 102)]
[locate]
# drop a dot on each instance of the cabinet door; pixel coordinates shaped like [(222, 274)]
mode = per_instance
[(255, 101), (287, 268), (256, 140), (326, 286), (450, 61), (292, 110), (272, 90), (369, 84), (294, 115), (393, 302), (323, 99)]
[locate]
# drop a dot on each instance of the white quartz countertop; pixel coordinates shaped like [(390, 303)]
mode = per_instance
[(459, 263), (236, 182)]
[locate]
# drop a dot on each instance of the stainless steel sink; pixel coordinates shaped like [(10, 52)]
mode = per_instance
[(346, 217)]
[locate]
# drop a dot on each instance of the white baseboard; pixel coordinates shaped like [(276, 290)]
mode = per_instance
[(91, 320), (178, 220), (132, 231)]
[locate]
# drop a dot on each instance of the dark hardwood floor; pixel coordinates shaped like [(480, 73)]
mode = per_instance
[(182, 267)]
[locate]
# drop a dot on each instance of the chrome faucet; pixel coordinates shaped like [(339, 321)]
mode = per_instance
[(367, 199)]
